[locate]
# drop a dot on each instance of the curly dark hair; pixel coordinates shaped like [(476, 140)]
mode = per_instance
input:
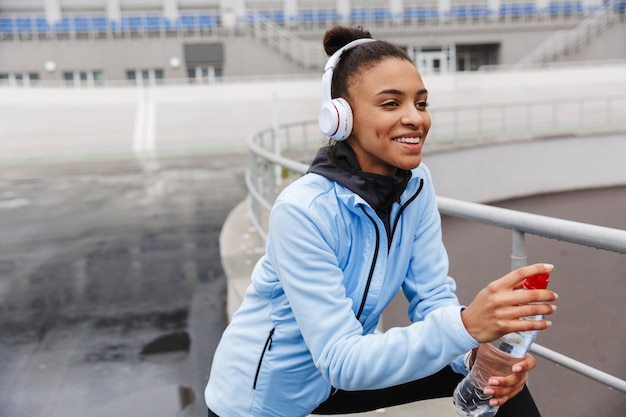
[(354, 61)]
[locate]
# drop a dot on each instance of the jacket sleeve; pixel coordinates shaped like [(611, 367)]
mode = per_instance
[(301, 247), (428, 286)]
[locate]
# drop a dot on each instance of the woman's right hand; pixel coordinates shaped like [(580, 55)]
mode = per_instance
[(497, 308)]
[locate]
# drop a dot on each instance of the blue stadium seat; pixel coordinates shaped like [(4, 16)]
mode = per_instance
[(130, 23), (565, 7), (330, 15), (248, 18), (62, 26), (135, 23), (42, 25), (188, 21), (517, 10), (153, 23), (81, 24), (24, 24), (276, 16), (306, 16), (358, 14), (207, 21), (99, 24), (6, 25), (171, 25), (458, 12), (381, 14), (480, 11), (420, 13)]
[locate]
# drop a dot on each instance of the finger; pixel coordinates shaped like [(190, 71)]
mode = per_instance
[(514, 312), (509, 382), (501, 389), (516, 277), (528, 363), (517, 325)]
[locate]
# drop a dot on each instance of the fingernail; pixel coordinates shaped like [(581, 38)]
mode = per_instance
[(488, 391), (494, 382), (493, 403), (548, 266), (553, 308), (548, 323), (517, 368)]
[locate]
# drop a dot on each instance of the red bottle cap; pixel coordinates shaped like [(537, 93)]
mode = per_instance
[(537, 282)]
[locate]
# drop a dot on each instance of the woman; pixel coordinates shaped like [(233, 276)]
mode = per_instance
[(342, 240)]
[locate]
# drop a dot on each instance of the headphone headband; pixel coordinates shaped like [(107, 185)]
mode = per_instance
[(335, 118)]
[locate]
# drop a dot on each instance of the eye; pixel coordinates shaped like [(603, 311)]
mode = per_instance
[(422, 104), (390, 103)]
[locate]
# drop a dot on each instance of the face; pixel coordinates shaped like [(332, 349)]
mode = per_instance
[(388, 103)]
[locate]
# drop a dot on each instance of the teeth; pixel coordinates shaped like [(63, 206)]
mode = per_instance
[(408, 140)]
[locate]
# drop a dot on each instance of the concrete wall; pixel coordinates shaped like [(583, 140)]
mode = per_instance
[(243, 57), (508, 170)]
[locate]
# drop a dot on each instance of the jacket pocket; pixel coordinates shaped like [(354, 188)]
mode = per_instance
[(266, 347)]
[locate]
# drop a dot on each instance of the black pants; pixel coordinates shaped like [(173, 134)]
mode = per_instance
[(439, 385)]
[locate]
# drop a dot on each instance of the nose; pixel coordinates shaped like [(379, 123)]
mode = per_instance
[(413, 117)]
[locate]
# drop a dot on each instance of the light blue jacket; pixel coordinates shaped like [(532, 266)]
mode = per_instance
[(307, 321)]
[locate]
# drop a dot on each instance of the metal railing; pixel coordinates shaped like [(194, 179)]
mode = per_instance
[(514, 120), (565, 42), (277, 156), (307, 54)]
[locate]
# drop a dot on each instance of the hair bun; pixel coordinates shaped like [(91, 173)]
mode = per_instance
[(339, 36)]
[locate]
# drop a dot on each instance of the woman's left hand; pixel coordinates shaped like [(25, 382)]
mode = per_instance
[(504, 388)]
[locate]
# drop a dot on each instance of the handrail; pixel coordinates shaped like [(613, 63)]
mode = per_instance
[(566, 41), (307, 54), (598, 237), (263, 184)]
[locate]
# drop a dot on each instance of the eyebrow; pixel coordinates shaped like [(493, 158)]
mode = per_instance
[(401, 93)]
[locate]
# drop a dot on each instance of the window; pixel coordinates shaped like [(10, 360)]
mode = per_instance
[(145, 76), (68, 77), (33, 78), (83, 78), (205, 75), (19, 79)]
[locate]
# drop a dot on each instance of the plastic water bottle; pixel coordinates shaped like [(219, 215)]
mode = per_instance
[(495, 359)]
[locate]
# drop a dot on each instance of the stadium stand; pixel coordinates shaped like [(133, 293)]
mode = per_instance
[(288, 32), (150, 22)]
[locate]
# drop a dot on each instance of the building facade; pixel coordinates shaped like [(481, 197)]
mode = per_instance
[(96, 42)]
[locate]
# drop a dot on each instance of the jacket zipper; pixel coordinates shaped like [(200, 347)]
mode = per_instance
[(371, 273), (404, 206), (393, 230), (267, 347)]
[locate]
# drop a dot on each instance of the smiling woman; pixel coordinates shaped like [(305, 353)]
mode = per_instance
[(343, 240), (390, 124)]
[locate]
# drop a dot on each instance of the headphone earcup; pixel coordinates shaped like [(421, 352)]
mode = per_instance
[(344, 119), (328, 119)]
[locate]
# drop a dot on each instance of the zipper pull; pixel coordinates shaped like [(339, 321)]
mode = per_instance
[(269, 346)]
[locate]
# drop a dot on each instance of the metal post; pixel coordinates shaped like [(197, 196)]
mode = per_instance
[(254, 204), (518, 255), (273, 170)]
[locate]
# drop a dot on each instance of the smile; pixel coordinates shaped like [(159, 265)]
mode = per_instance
[(407, 140)]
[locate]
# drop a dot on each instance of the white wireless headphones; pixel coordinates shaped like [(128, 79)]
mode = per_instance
[(335, 118)]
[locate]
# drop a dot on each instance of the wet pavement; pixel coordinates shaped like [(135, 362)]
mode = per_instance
[(111, 287), (112, 292)]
